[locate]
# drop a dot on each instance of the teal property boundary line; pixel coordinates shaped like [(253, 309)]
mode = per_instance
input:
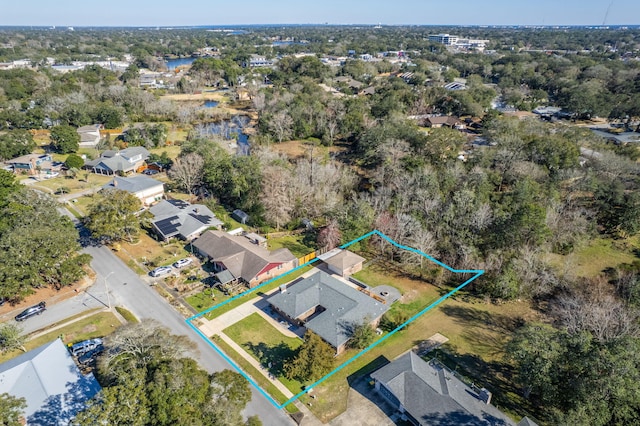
[(476, 273)]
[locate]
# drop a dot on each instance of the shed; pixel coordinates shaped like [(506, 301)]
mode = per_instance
[(240, 216), (343, 262)]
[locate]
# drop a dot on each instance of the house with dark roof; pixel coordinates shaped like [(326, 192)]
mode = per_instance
[(147, 189), (180, 219), (123, 162), (427, 393), (328, 307), (50, 382), (243, 258), (437, 121)]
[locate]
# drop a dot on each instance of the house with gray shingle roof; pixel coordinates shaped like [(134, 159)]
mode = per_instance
[(328, 307), (121, 162), (147, 189), (49, 380), (244, 259), (342, 262), (177, 218), (427, 393)]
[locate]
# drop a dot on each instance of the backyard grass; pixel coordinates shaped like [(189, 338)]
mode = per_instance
[(267, 345), (172, 150), (295, 244), (249, 369), (97, 325), (477, 334), (597, 256), (244, 298)]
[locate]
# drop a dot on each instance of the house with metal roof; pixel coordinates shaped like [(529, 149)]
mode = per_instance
[(243, 258), (328, 307), (121, 162), (427, 393), (48, 379), (177, 218), (147, 189)]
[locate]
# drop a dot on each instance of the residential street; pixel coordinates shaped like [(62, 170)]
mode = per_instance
[(128, 290)]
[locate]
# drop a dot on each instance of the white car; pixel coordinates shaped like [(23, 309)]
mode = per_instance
[(183, 262), (162, 270)]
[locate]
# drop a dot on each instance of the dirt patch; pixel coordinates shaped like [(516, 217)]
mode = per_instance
[(50, 295), (300, 148)]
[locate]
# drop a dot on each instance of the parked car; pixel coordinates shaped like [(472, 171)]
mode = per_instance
[(85, 346), (160, 271), (88, 357), (150, 172), (183, 262), (31, 311)]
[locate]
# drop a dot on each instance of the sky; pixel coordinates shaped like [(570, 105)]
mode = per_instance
[(229, 12)]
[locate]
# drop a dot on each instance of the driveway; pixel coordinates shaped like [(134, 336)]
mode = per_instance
[(364, 407)]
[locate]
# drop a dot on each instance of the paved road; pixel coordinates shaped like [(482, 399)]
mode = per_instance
[(127, 289)]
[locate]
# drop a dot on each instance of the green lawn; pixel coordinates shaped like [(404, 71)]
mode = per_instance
[(295, 244), (597, 256), (97, 325), (267, 345), (262, 381), (240, 300)]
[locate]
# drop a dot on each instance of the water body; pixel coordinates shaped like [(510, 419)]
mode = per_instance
[(210, 104), (229, 129), (172, 64)]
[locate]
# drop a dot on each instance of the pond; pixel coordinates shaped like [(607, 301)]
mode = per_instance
[(229, 129), (210, 104), (172, 64)]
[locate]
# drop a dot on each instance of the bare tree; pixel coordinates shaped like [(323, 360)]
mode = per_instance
[(276, 195), (187, 171), (330, 235), (280, 124)]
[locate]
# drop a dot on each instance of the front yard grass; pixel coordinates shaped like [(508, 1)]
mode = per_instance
[(205, 299), (249, 369), (97, 325), (267, 345), (76, 184)]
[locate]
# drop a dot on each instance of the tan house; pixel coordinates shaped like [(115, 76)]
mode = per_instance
[(243, 258), (342, 262), (89, 135), (147, 189)]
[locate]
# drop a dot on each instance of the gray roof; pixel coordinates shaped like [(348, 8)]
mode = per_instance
[(120, 161), (344, 306), (344, 259), (432, 394), (624, 137), (179, 218), (132, 184), (239, 255), (47, 377)]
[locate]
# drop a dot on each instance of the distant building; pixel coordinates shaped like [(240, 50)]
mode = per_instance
[(35, 164), (49, 380), (121, 162), (176, 218), (147, 189), (446, 39)]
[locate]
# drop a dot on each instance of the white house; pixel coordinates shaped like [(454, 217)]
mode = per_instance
[(147, 189)]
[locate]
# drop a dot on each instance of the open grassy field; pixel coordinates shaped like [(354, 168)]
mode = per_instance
[(151, 252), (97, 325), (267, 345), (77, 184), (597, 256)]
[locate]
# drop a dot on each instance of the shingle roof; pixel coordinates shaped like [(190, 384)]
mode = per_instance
[(241, 257), (345, 259), (124, 160), (47, 377), (431, 394), (132, 184), (344, 306), (176, 217)]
